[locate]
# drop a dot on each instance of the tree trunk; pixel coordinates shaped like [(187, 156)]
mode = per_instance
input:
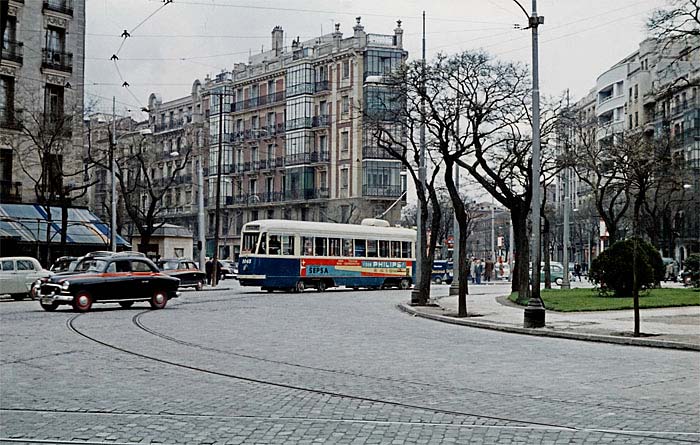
[(49, 220), (547, 263), (522, 256), (427, 263), (463, 281), (64, 225), (635, 286)]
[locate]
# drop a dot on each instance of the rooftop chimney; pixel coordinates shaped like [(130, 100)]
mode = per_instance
[(277, 40)]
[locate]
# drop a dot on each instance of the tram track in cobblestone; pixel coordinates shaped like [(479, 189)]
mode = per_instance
[(639, 434), (136, 320)]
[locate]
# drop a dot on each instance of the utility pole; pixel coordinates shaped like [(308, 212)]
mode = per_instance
[(200, 214), (565, 280), (113, 223), (416, 296), (534, 316), (217, 208)]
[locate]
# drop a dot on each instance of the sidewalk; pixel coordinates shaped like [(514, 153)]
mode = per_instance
[(676, 327)]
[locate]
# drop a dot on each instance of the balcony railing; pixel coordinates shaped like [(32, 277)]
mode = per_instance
[(10, 192), (308, 158), (13, 51), (8, 119), (170, 125), (323, 85), (385, 191), (308, 193), (300, 122), (57, 60), (322, 121), (62, 6), (375, 153), (260, 101)]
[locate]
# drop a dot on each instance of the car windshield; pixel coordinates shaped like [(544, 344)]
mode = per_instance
[(168, 265), (90, 265)]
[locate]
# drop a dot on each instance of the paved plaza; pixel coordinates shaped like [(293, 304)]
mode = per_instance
[(241, 366)]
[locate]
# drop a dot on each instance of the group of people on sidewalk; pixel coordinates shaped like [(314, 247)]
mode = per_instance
[(480, 268)]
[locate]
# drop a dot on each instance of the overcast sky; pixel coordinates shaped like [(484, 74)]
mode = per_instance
[(188, 39)]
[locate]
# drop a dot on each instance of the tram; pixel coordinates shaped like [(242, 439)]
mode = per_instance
[(296, 255)]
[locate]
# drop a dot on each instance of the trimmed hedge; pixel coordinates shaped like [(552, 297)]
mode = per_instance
[(613, 271)]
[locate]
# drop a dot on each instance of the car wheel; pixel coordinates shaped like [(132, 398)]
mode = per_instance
[(199, 285), (404, 284), (158, 300), (300, 286), (82, 302), (126, 304), (321, 286), (50, 307), (559, 281), (18, 297), (437, 280)]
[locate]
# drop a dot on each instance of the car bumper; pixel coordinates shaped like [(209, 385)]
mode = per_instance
[(61, 298)]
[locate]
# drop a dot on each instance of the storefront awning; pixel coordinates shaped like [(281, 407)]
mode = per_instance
[(28, 223)]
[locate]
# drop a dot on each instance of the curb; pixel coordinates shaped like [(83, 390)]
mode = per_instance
[(630, 341)]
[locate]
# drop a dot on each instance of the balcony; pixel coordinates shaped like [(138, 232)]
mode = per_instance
[(300, 122), (376, 153), (260, 101), (13, 51), (308, 158), (385, 191), (322, 121), (10, 192), (174, 124), (57, 60), (308, 193), (8, 119), (321, 86), (62, 6)]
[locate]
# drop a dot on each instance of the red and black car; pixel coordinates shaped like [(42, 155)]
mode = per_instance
[(185, 270), (122, 278)]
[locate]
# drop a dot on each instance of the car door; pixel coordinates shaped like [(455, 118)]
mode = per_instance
[(26, 273), (184, 274), (118, 284), (9, 282), (142, 279)]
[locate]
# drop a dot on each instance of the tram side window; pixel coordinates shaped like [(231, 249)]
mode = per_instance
[(396, 249), (372, 248), (384, 249), (320, 246), (274, 244), (308, 243), (262, 248), (287, 244), (249, 242), (334, 246), (347, 247), (360, 247), (405, 249)]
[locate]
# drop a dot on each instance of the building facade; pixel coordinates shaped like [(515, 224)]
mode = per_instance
[(653, 91), (41, 101), (288, 129)]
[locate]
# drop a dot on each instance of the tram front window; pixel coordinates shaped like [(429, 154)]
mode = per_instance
[(250, 240)]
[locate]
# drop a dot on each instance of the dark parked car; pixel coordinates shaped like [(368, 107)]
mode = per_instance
[(186, 270), (122, 278)]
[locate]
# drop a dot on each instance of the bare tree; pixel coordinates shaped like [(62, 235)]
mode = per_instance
[(678, 21), (47, 156), (144, 180), (393, 116)]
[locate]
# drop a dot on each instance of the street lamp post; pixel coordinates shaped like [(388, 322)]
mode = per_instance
[(534, 316)]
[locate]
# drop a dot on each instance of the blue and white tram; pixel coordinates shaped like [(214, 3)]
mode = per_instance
[(295, 255)]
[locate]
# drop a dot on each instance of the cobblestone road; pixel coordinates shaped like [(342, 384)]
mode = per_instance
[(335, 367)]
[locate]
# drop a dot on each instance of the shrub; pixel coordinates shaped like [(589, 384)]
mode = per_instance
[(612, 271), (692, 268)]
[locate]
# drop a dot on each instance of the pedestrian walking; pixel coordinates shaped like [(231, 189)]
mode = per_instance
[(209, 269), (472, 270), (488, 270), (577, 271), (479, 271)]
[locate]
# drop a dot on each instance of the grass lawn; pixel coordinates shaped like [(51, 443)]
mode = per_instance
[(573, 300)]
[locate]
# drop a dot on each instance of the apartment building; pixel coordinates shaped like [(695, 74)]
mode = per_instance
[(177, 131), (41, 93), (654, 90), (293, 145)]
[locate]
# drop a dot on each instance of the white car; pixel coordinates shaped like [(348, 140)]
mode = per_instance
[(18, 274)]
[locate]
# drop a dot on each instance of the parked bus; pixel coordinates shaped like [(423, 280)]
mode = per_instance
[(295, 255)]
